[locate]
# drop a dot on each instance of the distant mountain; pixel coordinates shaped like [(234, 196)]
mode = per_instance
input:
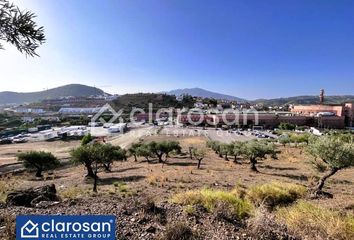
[(305, 100), (76, 90), (199, 92)]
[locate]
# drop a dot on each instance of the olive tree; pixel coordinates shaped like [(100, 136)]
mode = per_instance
[(334, 153), (199, 154), (225, 150), (85, 155), (163, 148), (109, 153), (95, 155), (144, 151), (18, 28), (215, 146), (236, 149), (133, 150), (38, 160), (255, 150)]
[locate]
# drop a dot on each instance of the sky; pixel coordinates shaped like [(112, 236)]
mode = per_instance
[(246, 48)]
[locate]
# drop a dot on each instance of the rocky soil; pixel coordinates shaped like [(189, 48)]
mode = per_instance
[(141, 218)]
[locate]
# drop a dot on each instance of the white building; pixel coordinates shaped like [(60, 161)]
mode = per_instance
[(29, 110), (78, 110)]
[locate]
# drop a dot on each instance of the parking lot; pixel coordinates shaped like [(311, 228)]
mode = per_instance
[(225, 136)]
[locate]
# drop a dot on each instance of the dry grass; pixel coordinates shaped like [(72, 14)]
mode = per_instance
[(157, 179), (74, 192), (210, 199), (313, 222), (7, 184), (179, 231), (275, 193)]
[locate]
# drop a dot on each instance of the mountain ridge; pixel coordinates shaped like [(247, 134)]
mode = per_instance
[(199, 92), (305, 99), (77, 90)]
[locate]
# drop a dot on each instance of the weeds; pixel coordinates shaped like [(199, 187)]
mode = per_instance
[(189, 210), (179, 231), (74, 192), (6, 185), (210, 199), (275, 193), (156, 180), (315, 222)]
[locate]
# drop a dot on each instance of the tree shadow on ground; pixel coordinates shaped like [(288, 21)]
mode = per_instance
[(124, 170), (278, 168), (182, 164), (111, 180), (291, 176)]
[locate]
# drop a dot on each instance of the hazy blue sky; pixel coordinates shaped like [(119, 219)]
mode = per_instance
[(250, 49)]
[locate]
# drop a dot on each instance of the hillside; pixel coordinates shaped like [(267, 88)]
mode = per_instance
[(63, 91), (305, 100), (142, 100), (199, 92)]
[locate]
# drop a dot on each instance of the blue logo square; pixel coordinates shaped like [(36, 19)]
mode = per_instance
[(65, 227)]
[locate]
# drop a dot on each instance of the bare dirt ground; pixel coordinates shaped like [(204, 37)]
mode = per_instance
[(161, 181)]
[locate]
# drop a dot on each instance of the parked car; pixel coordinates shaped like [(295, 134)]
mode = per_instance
[(5, 141)]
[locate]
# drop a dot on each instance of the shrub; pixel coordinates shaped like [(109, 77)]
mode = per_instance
[(307, 219), (189, 210), (275, 193), (121, 186), (179, 231), (73, 192), (264, 226), (86, 139), (287, 126), (210, 199)]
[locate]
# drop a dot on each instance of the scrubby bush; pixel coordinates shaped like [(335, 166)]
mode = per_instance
[(275, 193), (284, 139), (313, 222), (87, 139), (179, 231), (287, 126), (210, 199), (38, 160)]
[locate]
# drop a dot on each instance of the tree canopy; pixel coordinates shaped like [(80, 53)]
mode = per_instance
[(38, 160), (334, 153)]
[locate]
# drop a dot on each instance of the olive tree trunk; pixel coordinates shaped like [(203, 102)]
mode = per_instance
[(90, 172), (324, 178), (253, 163)]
